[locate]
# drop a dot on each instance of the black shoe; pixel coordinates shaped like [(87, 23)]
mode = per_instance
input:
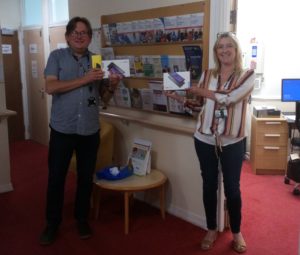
[(84, 230), (49, 235)]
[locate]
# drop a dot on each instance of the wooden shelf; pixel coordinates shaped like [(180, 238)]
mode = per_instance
[(161, 48), (150, 123)]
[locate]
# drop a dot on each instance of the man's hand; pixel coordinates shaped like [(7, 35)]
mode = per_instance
[(94, 74)]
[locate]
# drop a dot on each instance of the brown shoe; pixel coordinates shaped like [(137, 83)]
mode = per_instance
[(239, 246), (208, 241)]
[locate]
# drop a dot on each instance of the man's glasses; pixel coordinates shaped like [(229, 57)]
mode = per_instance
[(79, 34)]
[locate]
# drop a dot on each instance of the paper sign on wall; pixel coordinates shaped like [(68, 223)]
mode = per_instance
[(34, 69), (61, 45), (6, 49), (33, 48)]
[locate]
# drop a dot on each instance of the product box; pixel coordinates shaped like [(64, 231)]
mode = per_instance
[(176, 80), (96, 61), (117, 66)]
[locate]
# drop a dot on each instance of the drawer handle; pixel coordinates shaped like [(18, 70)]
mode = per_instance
[(271, 148), (272, 135), (273, 123)]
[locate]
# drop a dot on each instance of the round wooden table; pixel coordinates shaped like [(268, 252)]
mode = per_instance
[(155, 180)]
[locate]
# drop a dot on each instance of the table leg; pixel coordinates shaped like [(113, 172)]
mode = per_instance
[(96, 201), (126, 206), (162, 201)]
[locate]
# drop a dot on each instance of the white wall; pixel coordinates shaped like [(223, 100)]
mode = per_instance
[(275, 28), (10, 14)]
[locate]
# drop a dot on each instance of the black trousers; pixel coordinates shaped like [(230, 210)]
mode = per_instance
[(61, 147), (231, 159)]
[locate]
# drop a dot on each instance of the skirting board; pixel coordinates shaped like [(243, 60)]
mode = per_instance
[(6, 188), (193, 218), (190, 217)]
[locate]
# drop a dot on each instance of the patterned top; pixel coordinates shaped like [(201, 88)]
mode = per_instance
[(75, 111), (225, 117)]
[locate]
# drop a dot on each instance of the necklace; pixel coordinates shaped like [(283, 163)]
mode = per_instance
[(225, 80)]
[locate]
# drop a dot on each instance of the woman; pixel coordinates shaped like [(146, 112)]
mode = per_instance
[(219, 137)]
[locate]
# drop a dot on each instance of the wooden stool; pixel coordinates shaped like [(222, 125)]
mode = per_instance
[(155, 180)]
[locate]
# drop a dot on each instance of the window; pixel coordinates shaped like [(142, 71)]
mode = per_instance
[(58, 11), (32, 13), (274, 27)]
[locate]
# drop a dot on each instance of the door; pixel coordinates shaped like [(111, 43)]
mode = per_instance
[(37, 99), (13, 86), (57, 37)]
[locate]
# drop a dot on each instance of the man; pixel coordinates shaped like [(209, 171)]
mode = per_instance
[(74, 124)]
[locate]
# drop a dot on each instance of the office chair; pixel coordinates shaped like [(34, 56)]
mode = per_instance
[(295, 141), (293, 167)]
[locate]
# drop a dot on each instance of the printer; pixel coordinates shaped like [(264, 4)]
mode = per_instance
[(266, 112)]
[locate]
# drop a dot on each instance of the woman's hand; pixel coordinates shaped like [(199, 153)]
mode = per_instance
[(201, 92), (174, 95)]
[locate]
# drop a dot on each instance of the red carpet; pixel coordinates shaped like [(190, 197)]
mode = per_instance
[(271, 218)]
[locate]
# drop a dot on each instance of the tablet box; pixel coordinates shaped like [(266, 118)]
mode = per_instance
[(176, 81), (118, 66)]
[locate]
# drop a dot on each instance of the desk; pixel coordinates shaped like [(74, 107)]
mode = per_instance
[(134, 183)]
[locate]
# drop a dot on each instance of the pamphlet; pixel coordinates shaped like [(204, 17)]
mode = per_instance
[(107, 53), (159, 99), (147, 99), (193, 58), (140, 156), (122, 96), (176, 106)]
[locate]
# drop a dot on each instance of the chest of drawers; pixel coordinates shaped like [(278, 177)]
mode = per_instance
[(269, 145)]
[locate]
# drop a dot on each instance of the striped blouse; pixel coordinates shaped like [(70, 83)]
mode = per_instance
[(232, 98)]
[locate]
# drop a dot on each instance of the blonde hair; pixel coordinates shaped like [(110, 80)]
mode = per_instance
[(238, 68)]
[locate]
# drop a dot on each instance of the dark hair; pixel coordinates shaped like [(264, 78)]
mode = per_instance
[(73, 22)]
